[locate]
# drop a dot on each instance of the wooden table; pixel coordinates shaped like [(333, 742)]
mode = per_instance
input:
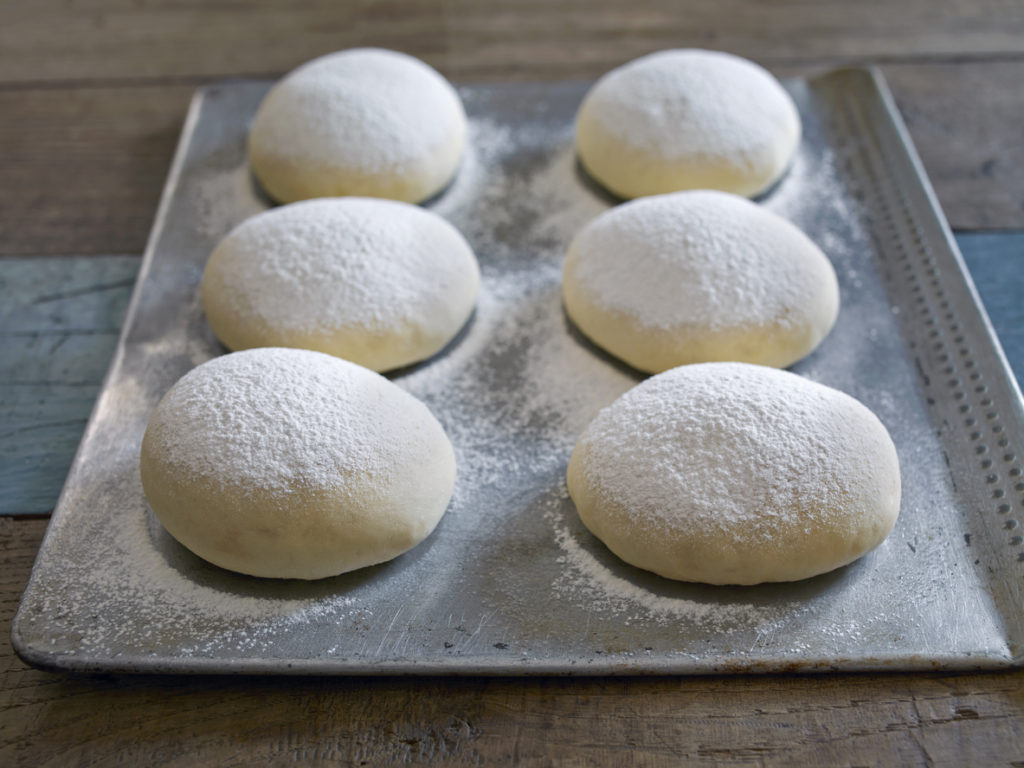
[(91, 101)]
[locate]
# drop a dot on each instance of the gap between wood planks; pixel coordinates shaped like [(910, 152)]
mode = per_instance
[(783, 66)]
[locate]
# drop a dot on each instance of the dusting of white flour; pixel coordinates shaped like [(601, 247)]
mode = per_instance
[(380, 110), (700, 259), (513, 391), (322, 265), (729, 107)]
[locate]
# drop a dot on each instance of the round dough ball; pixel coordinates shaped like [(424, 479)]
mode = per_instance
[(360, 122), (728, 473), (286, 463), (687, 119), (381, 283), (696, 277)]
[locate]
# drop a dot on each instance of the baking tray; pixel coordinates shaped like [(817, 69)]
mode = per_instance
[(510, 582)]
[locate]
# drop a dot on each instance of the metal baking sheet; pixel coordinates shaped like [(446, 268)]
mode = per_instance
[(510, 582)]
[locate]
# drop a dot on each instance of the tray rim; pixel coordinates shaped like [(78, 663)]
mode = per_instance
[(464, 665)]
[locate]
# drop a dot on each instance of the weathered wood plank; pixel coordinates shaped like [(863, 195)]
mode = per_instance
[(50, 720), (996, 262), (966, 122), (84, 167), (56, 720), (50, 40), (59, 324)]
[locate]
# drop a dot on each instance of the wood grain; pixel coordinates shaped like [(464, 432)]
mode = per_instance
[(966, 122), (56, 720), (92, 96), (49, 40), (996, 262), (85, 166), (59, 324)]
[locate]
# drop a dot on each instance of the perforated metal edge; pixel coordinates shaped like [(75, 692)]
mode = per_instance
[(968, 419), (967, 382)]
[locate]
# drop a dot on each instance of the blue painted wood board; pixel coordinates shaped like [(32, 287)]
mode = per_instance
[(996, 263), (60, 318), (59, 323)]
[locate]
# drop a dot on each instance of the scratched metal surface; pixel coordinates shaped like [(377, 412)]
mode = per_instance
[(510, 583)]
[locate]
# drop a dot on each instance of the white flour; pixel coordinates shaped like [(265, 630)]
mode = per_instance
[(676, 101), (342, 264), (696, 259), (368, 110), (276, 420), (513, 391)]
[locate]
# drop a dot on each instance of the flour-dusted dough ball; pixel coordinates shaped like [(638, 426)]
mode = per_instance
[(696, 277), (287, 463), (728, 473), (378, 282), (359, 122), (687, 119)]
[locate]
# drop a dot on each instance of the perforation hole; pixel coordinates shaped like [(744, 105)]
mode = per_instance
[(950, 350)]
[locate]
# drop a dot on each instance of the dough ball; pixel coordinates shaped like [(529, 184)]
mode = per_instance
[(287, 463), (360, 122), (696, 277), (728, 473), (381, 283), (687, 119)]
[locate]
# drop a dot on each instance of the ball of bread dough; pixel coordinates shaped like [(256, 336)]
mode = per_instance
[(378, 282), (728, 473), (687, 119), (359, 122), (699, 276), (286, 463)]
